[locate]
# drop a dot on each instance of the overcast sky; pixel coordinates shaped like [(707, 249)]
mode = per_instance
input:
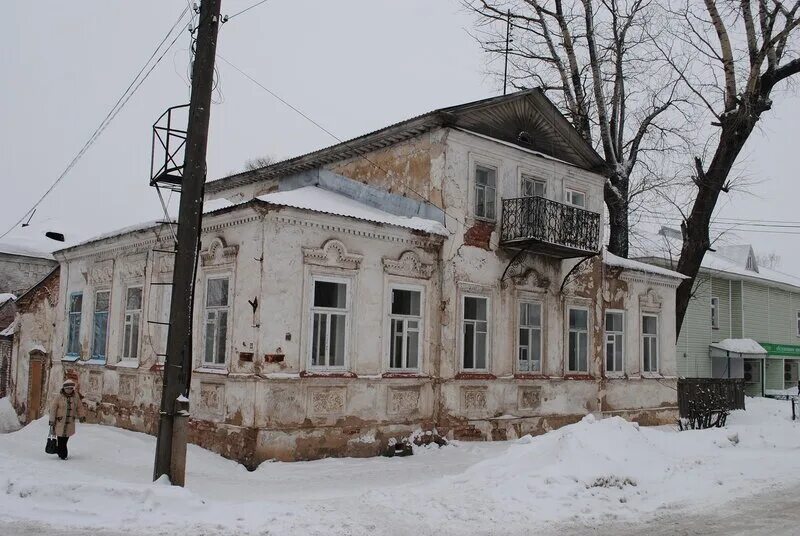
[(352, 65)]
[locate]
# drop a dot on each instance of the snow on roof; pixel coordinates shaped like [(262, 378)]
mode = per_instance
[(325, 201), (9, 331), (5, 296), (121, 231), (729, 260), (739, 346), (628, 264), (28, 246)]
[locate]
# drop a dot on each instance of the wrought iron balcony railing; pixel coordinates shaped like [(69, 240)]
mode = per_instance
[(555, 228)]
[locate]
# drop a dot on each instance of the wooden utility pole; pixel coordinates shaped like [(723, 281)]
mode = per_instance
[(178, 363)]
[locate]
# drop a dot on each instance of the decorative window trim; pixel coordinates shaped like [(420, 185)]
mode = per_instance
[(579, 307), (93, 355), (408, 264), (122, 356), (476, 160), (469, 293), (538, 300), (101, 273), (615, 373), (334, 254), (229, 320), (218, 253), (650, 300), (388, 328), (657, 316), (133, 268), (348, 312)]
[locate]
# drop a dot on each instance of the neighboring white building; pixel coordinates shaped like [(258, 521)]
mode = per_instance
[(443, 272)]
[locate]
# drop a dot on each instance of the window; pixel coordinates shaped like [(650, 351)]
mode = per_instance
[(74, 333), (405, 320), (649, 343), (529, 351), (578, 340), (715, 312), (576, 198), (533, 187), (216, 319), (100, 331), (798, 323), (133, 316), (485, 192), (474, 336), (330, 310), (615, 341)]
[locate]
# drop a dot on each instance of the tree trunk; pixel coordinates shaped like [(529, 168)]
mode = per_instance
[(736, 129), (616, 198)]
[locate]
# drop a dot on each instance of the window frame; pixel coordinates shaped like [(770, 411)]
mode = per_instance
[(482, 163), (621, 312), (655, 337), (714, 312), (390, 334), (526, 176), (104, 355), (568, 330), (312, 310), (228, 319), (461, 324), (78, 315), (798, 324), (125, 311), (519, 327), (567, 197)]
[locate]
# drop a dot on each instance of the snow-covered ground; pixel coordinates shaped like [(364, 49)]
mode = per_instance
[(593, 471)]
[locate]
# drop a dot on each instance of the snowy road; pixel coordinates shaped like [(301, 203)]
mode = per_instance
[(776, 513)]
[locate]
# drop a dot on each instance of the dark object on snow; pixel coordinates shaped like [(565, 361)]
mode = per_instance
[(429, 437), (51, 447), (398, 448)]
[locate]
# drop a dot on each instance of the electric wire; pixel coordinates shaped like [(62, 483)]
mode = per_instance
[(110, 116), (245, 10)]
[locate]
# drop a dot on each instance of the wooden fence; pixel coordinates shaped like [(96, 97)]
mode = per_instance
[(713, 394)]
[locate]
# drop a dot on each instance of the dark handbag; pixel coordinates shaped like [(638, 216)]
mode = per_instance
[(51, 447)]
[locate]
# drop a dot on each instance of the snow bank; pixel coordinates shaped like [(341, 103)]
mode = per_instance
[(594, 470), (8, 417)]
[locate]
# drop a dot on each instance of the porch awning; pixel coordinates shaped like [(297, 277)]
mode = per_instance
[(737, 348)]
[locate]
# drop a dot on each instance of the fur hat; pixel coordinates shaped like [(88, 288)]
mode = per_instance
[(69, 382)]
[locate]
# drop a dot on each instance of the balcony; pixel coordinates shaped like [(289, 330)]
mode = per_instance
[(549, 228)]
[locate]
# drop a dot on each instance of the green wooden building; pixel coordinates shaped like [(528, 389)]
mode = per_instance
[(743, 321)]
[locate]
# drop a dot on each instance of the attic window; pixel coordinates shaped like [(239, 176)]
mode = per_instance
[(751, 264)]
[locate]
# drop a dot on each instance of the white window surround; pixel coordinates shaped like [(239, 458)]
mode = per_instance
[(312, 311), (586, 332), (714, 312), (212, 312), (486, 160), (529, 328), (798, 323), (615, 338), (405, 322), (131, 325), (576, 197), (74, 313), (477, 331), (102, 315), (652, 341)]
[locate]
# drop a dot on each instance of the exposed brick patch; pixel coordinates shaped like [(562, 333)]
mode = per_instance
[(475, 376), (467, 432), (479, 234)]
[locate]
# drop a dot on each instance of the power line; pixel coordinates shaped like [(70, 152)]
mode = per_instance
[(335, 137), (118, 106), (227, 18)]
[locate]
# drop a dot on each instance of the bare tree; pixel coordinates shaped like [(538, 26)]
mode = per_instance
[(740, 51), (258, 163), (770, 260), (596, 62)]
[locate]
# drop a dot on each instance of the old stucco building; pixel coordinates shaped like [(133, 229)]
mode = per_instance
[(442, 272)]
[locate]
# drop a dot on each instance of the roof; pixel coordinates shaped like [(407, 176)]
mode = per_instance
[(320, 200), (739, 346), (504, 118), (629, 264), (728, 260), (27, 246), (6, 296)]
